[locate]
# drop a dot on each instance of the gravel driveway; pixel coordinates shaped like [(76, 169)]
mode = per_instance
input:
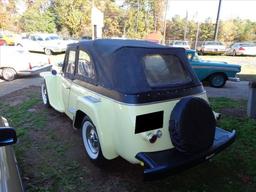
[(233, 90)]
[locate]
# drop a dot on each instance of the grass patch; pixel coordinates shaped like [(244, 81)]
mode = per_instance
[(41, 155), (223, 103)]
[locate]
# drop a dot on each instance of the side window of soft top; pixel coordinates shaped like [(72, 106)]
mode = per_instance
[(70, 62), (85, 66)]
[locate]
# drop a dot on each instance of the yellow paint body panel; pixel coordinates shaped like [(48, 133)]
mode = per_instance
[(114, 121)]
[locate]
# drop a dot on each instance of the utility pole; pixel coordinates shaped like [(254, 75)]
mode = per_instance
[(137, 16), (197, 33), (165, 14), (217, 22), (186, 27)]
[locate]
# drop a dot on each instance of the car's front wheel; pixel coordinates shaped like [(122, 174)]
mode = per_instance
[(44, 95), (91, 142), (8, 74), (217, 80)]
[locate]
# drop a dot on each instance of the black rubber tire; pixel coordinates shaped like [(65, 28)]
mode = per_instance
[(234, 53), (221, 77), (48, 51), (99, 159), (44, 93), (8, 74), (192, 125)]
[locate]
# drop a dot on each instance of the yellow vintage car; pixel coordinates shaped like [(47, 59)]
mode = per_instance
[(138, 100), (9, 39)]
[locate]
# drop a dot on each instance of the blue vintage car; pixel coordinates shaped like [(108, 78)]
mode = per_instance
[(215, 72)]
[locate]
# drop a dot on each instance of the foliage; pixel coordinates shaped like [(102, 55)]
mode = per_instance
[(74, 15), (128, 18)]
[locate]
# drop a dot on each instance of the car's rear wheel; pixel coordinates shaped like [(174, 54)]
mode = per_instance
[(8, 74), (217, 80), (44, 95), (47, 51), (91, 142)]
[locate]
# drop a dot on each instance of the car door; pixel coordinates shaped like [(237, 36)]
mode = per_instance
[(85, 76), (67, 77), (10, 180)]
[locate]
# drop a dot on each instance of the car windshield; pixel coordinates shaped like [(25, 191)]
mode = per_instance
[(213, 43), (196, 57), (164, 70), (247, 45), (180, 43), (193, 57), (52, 38)]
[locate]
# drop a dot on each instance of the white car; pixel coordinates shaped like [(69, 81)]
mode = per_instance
[(180, 43), (242, 48), (211, 47), (16, 61), (47, 43)]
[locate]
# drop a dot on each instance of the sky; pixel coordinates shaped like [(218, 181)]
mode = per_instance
[(244, 9)]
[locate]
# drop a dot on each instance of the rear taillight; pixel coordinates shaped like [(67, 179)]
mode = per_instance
[(29, 66), (49, 60), (241, 49)]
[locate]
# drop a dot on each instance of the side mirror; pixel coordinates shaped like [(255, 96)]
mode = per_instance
[(54, 72), (7, 136)]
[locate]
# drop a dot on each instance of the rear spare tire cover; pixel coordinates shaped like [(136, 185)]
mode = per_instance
[(192, 125)]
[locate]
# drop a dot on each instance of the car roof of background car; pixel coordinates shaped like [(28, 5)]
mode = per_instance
[(119, 64)]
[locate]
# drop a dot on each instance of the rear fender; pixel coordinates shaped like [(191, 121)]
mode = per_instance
[(92, 109)]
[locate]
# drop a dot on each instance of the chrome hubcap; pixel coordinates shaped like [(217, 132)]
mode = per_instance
[(44, 94), (218, 80), (91, 140), (8, 74)]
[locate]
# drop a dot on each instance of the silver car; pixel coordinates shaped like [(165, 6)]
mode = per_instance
[(10, 180), (211, 47), (242, 48), (180, 43)]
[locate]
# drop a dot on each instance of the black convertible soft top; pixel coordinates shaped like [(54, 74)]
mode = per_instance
[(119, 66)]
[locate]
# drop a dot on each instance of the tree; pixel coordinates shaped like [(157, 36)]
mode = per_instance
[(39, 17), (73, 15), (8, 15), (113, 22), (206, 30)]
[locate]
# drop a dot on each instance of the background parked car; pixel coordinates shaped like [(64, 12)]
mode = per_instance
[(211, 47), (215, 72), (10, 180), (2, 42), (8, 39), (42, 42), (242, 48), (180, 43), (17, 61)]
